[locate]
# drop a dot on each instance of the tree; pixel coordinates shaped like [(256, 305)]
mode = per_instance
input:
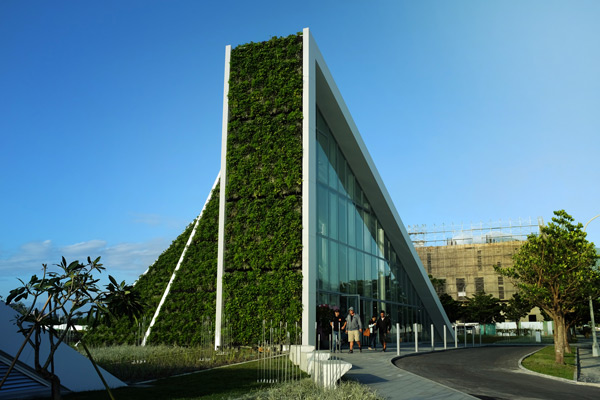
[(69, 293), (454, 309), (517, 308), (438, 284), (554, 270), (484, 308)]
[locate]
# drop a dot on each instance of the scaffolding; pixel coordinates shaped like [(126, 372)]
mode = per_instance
[(463, 257), (489, 232)]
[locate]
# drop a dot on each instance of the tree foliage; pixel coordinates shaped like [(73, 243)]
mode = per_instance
[(517, 308), (483, 308), (69, 293), (554, 271), (453, 308)]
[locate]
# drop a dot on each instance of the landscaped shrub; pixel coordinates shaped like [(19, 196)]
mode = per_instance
[(263, 242)]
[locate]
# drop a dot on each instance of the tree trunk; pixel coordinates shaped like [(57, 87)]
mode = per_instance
[(568, 338), (559, 340), (55, 387)]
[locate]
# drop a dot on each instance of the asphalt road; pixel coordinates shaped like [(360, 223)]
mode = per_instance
[(492, 373)]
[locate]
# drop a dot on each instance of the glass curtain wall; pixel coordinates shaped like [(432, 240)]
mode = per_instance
[(357, 265)]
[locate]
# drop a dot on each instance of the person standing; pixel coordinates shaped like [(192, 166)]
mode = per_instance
[(337, 325), (354, 329), (373, 332), (384, 325)]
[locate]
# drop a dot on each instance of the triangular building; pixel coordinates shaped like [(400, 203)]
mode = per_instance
[(299, 220)]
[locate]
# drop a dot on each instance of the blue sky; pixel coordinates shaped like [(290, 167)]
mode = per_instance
[(111, 114)]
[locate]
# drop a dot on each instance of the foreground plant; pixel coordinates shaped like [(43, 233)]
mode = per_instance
[(69, 293)]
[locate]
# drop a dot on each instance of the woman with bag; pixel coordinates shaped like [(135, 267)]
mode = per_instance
[(372, 335)]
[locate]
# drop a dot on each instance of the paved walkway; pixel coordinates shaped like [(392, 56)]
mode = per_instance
[(590, 366), (375, 368)]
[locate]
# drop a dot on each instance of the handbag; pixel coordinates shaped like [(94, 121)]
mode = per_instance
[(366, 332)]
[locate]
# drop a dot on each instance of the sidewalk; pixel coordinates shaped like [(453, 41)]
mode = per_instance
[(375, 368), (590, 366)]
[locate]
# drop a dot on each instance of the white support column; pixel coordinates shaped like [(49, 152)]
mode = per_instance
[(416, 330), (455, 337), (309, 189), (445, 331), (432, 339), (221, 239), (397, 339)]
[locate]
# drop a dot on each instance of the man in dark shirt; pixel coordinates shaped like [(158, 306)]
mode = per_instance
[(337, 324), (384, 325)]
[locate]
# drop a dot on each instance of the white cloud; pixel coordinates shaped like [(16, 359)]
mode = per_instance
[(78, 250), (155, 220), (124, 261)]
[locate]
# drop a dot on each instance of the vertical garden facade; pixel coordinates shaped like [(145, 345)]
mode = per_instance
[(304, 218)]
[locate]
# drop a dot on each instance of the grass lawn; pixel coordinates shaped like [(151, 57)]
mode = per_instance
[(232, 382), (542, 361), (219, 383)]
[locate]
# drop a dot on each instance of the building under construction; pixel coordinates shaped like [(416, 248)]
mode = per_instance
[(465, 256)]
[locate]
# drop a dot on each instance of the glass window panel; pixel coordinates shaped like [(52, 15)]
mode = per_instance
[(343, 268), (394, 287), (377, 270), (358, 226), (352, 271), (351, 221), (322, 262), (334, 279), (333, 214), (368, 286), (342, 221), (388, 280), (365, 203), (322, 222), (367, 239), (357, 198), (372, 224), (322, 161), (333, 179), (341, 170), (360, 272), (377, 278), (349, 182)]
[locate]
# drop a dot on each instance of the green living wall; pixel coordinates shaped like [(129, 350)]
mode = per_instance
[(191, 300), (263, 228), (187, 317)]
